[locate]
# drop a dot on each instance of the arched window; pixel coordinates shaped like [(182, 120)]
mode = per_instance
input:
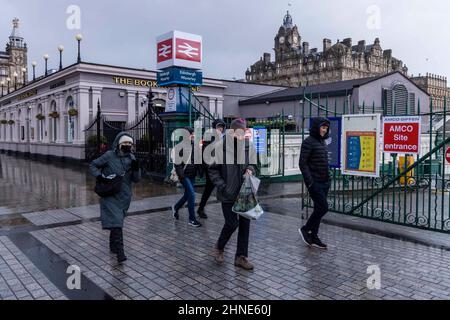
[(54, 122), (398, 101), (72, 119)]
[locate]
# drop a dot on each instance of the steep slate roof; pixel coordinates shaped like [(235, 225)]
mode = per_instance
[(341, 88)]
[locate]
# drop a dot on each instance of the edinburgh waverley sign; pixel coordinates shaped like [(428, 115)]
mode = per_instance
[(180, 76)]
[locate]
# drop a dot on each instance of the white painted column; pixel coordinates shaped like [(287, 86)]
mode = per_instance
[(131, 104), (83, 113), (96, 98), (220, 108), (212, 107), (33, 121), (18, 116), (46, 122), (76, 103), (62, 121), (11, 116)]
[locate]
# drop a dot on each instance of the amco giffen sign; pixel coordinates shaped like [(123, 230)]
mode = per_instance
[(401, 134), (180, 76), (179, 49)]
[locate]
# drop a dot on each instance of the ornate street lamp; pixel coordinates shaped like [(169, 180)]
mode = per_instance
[(79, 37), (15, 80), (34, 64), (46, 56), (24, 71), (60, 49)]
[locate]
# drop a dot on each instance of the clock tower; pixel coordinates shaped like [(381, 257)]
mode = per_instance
[(288, 39)]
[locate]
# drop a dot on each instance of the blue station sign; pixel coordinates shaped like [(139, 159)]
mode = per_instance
[(180, 76)]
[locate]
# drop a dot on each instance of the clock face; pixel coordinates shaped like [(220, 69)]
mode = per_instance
[(281, 40)]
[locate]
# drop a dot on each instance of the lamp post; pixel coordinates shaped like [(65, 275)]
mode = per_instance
[(60, 49), (24, 71), (46, 56), (34, 64), (3, 84), (79, 37), (8, 83), (15, 80)]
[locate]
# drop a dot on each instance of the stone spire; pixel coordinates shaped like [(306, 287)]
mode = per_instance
[(287, 21)]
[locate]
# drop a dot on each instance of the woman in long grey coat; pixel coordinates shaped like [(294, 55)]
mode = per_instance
[(119, 161)]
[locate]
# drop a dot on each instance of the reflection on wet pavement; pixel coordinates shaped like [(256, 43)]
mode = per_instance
[(29, 186)]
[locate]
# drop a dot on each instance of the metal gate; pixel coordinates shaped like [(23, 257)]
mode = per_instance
[(269, 145), (415, 194), (147, 131)]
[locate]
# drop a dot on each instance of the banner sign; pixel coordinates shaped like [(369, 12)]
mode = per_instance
[(334, 141), (401, 134), (175, 101), (260, 139), (360, 145)]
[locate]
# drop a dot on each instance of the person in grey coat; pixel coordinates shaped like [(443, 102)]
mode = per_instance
[(228, 176), (120, 161)]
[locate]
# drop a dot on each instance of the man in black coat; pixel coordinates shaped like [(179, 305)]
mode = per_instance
[(219, 125), (314, 166), (227, 174)]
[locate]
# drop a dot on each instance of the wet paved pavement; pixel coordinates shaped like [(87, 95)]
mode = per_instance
[(31, 186), (170, 260)]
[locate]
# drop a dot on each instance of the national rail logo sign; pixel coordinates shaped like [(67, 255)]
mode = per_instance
[(401, 134), (165, 50), (179, 49)]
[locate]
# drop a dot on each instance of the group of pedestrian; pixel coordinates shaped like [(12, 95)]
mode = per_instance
[(227, 177)]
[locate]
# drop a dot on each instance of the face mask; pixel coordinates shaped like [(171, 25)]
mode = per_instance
[(126, 149)]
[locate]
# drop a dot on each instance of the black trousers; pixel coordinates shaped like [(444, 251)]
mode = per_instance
[(209, 188), (116, 239), (319, 193), (232, 222)]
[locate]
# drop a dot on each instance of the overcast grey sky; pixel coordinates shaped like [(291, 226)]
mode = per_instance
[(235, 32)]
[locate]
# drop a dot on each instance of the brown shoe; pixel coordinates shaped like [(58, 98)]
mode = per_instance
[(243, 263), (218, 255)]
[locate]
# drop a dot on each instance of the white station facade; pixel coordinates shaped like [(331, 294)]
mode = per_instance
[(47, 117)]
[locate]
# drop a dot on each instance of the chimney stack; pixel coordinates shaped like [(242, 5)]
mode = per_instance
[(361, 46), (347, 42), (306, 48), (326, 44)]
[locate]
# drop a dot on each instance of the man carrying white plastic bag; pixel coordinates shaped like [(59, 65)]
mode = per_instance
[(228, 175), (246, 204)]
